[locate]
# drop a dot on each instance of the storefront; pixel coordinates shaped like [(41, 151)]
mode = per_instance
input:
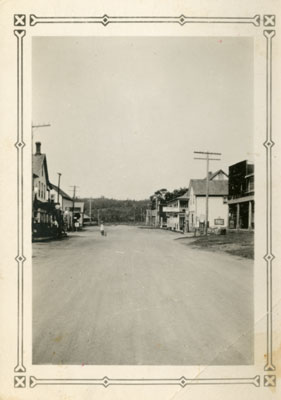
[(47, 220)]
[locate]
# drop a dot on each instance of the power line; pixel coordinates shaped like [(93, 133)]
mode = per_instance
[(37, 126), (206, 152), (40, 125)]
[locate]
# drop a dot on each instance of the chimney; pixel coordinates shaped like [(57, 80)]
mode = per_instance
[(38, 148)]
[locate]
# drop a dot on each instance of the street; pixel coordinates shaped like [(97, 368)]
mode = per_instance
[(139, 297)]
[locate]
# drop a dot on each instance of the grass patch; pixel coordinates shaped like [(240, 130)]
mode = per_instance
[(238, 243)]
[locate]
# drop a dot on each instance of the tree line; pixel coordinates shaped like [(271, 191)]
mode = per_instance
[(163, 195), (115, 211)]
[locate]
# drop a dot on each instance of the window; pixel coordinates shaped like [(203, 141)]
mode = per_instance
[(219, 221), (224, 199)]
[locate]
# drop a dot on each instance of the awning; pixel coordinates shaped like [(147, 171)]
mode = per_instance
[(47, 206)]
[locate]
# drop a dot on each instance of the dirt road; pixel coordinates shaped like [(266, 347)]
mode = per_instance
[(139, 297)]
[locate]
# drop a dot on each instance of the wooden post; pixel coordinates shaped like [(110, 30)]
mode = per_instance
[(250, 215), (207, 158), (207, 197), (238, 216)]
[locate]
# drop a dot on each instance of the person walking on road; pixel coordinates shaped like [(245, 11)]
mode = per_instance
[(102, 229)]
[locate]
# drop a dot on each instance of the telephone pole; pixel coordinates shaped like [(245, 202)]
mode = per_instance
[(208, 159), (73, 203), (58, 197), (90, 210)]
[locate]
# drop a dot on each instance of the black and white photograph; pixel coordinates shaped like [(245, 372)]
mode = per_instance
[(143, 207), (140, 200)]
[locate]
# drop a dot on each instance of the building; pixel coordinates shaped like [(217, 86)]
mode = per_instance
[(72, 210), (241, 195), (40, 179), (217, 202), (77, 213), (155, 216), (150, 217), (43, 209), (175, 211), (64, 201), (60, 197)]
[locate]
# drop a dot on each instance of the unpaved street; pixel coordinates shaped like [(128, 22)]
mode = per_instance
[(137, 296)]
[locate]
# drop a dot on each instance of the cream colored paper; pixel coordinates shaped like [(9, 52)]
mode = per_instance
[(20, 21)]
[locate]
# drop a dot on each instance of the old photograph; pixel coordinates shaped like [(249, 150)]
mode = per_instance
[(140, 168), (143, 206)]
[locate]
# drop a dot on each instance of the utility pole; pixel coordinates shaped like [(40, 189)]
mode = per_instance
[(73, 203), (90, 210), (58, 197), (208, 159), (156, 216)]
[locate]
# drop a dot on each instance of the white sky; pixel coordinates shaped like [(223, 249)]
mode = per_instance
[(126, 113)]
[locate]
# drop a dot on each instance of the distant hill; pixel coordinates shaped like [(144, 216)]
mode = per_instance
[(114, 211)]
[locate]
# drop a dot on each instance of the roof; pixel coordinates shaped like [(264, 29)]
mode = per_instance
[(184, 196), (216, 188), (38, 160), (62, 193), (248, 162), (212, 175)]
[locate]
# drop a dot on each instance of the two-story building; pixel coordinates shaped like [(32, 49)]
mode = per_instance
[(241, 195), (155, 216), (42, 207), (72, 209), (217, 201), (175, 211)]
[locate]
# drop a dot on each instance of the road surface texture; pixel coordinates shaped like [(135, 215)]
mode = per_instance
[(139, 297)]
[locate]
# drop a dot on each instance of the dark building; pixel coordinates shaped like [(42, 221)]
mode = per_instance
[(241, 195)]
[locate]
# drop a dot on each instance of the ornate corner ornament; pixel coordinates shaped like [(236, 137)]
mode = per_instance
[(268, 24), (19, 381)]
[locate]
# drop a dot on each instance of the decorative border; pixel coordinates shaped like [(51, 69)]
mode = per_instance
[(20, 20), (20, 258), (269, 257), (105, 20), (183, 381)]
